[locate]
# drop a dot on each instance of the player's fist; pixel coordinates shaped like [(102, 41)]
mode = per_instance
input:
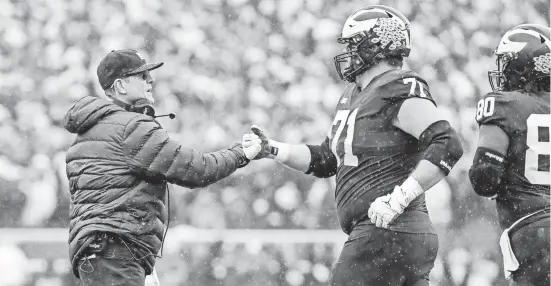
[(382, 213), (267, 150), (251, 145)]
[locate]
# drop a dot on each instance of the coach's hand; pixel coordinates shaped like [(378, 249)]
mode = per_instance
[(267, 150), (383, 211), (251, 145)]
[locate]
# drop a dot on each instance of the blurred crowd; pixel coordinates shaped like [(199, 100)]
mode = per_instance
[(230, 64)]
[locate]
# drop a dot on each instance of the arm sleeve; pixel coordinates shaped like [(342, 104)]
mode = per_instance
[(443, 145), (150, 152), (323, 163), (487, 171)]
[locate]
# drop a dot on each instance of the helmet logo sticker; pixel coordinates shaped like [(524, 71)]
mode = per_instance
[(388, 31), (507, 45), (543, 63)]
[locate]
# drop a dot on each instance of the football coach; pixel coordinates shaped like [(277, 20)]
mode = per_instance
[(118, 169)]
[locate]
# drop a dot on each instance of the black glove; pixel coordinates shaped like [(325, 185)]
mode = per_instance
[(267, 150)]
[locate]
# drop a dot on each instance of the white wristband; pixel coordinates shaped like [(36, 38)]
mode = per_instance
[(411, 189), (281, 150)]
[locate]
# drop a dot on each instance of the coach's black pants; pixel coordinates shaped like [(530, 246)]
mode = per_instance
[(380, 257), (114, 266)]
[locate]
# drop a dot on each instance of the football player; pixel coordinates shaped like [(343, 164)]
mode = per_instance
[(511, 163), (387, 146)]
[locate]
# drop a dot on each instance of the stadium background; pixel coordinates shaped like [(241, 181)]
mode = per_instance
[(230, 63)]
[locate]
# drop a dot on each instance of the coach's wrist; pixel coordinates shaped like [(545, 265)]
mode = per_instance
[(242, 159)]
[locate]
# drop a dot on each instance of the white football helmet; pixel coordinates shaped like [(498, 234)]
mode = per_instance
[(371, 34)]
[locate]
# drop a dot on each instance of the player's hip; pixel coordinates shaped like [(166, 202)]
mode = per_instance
[(531, 246), (525, 247), (532, 241), (411, 221), (370, 235), (384, 257)]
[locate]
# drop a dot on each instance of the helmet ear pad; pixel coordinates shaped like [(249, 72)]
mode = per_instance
[(368, 55), (520, 73), (516, 75), (374, 53), (523, 78)]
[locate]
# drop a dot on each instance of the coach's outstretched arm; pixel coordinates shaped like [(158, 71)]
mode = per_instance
[(317, 160), (150, 152), (421, 119)]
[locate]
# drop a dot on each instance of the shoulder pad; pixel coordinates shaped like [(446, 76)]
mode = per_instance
[(507, 110), (404, 84)]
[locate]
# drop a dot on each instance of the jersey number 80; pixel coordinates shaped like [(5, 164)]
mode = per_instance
[(536, 148), (485, 107)]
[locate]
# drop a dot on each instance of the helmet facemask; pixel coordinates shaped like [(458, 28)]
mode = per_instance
[(497, 78), (350, 63)]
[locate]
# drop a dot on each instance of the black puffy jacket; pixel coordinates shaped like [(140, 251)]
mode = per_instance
[(118, 169)]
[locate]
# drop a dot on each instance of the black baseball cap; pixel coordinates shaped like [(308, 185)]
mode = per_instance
[(122, 63)]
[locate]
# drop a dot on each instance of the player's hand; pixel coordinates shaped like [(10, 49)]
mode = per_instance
[(267, 150), (382, 213), (152, 279), (251, 145)]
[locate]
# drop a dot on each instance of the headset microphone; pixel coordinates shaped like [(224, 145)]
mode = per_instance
[(170, 115), (142, 108)]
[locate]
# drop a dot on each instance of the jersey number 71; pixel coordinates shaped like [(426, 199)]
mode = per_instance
[(345, 118)]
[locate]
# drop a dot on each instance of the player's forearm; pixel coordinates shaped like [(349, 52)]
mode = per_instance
[(443, 150), (317, 160), (294, 156), (427, 174)]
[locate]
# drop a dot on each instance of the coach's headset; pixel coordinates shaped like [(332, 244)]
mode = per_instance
[(143, 108)]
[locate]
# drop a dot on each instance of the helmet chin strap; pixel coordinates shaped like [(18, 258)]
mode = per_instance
[(367, 64)]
